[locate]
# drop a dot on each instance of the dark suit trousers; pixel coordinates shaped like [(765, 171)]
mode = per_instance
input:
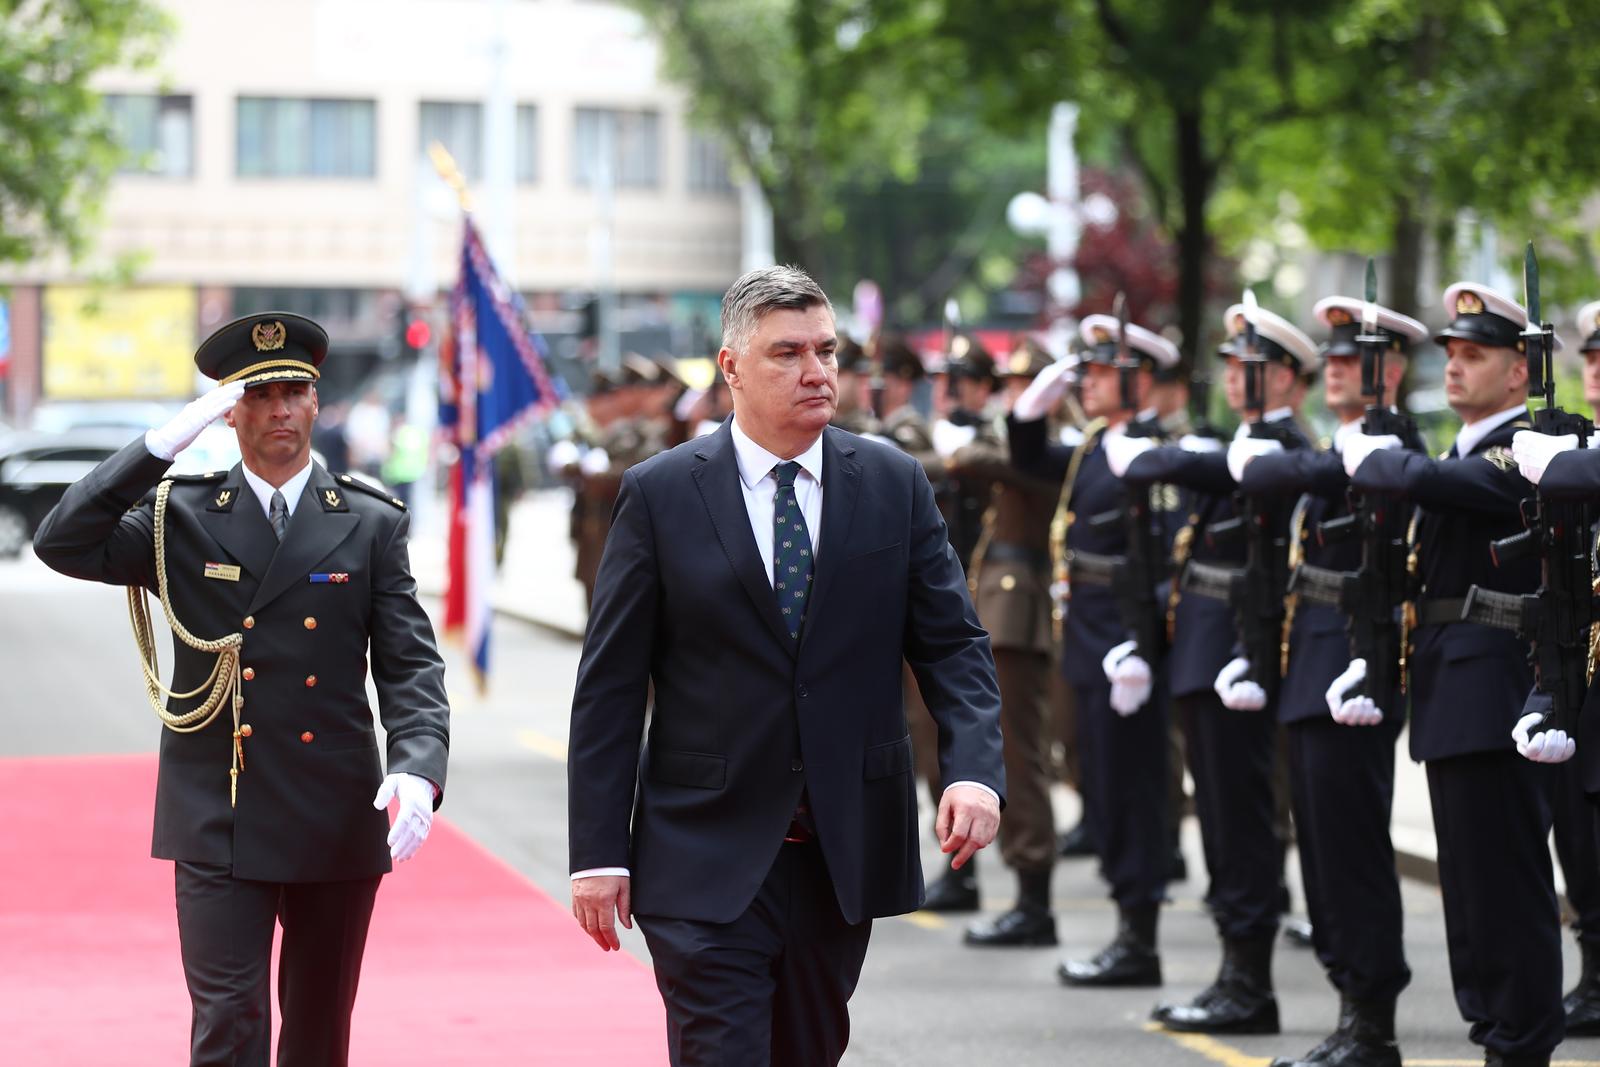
[(1342, 781), (771, 987), (1491, 815), (1124, 768), (1577, 833), (1231, 755), (225, 927)]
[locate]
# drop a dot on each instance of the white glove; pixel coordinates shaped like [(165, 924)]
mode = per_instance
[(1118, 653), (1546, 746), (595, 461), (415, 817), (165, 442), (1236, 694), (1360, 445), (1193, 442), (1130, 685), (1534, 451), (563, 454), (1122, 450), (1244, 449), (948, 437), (1355, 711), (1045, 391)]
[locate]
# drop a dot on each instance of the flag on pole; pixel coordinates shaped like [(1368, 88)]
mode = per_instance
[(492, 381)]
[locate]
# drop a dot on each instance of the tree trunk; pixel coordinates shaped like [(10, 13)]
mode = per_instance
[(1194, 187), (1405, 269)]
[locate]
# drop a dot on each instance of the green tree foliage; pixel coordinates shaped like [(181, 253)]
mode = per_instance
[(56, 146)]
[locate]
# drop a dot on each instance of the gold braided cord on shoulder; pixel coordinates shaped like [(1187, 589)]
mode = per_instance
[(1062, 522), (223, 683)]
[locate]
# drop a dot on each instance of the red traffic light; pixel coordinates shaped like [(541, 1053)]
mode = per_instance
[(418, 333)]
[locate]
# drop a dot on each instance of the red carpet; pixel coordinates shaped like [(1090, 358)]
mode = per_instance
[(468, 963)]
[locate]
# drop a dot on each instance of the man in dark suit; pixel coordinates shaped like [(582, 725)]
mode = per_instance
[(284, 579), (768, 580)]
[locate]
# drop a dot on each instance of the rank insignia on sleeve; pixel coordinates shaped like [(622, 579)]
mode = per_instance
[(337, 578), (1500, 456)]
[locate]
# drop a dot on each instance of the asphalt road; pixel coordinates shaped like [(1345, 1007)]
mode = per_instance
[(71, 687)]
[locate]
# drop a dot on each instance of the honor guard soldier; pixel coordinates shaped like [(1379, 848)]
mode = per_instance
[(1341, 781), (1491, 809), (972, 380), (1010, 584), (1221, 690), (853, 413), (279, 580), (1121, 726)]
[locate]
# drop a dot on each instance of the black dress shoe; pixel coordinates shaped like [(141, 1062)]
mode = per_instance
[(1363, 1038), (956, 891), (1019, 926), (1582, 1004), (1240, 1001), (1297, 932), (1130, 960), (1507, 1059), (1075, 843)]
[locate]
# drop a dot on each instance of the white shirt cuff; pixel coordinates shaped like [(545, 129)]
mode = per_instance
[(975, 785), (601, 872)]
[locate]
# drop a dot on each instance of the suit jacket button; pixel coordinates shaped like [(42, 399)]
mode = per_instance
[(804, 692), (797, 766), (311, 623), (307, 737), (249, 622), (248, 673), (1008, 582), (311, 680)]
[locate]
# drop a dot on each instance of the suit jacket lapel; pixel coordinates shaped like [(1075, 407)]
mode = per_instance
[(717, 477), (841, 486), (313, 532), (234, 519)]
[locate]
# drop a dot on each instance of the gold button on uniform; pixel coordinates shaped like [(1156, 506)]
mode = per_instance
[(245, 730), (248, 673), (311, 680), (311, 623), (1008, 582), (249, 622), (307, 737)]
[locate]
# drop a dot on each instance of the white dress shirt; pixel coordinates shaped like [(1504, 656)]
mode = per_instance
[(759, 484), (1474, 432), (290, 489)]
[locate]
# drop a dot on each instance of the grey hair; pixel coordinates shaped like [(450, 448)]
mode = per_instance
[(760, 291)]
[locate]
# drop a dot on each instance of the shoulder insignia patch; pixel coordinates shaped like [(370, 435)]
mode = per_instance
[(1500, 456), (223, 499), (352, 482)]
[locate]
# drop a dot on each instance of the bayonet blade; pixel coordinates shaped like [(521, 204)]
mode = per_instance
[(1369, 313), (1119, 310), (1250, 321), (1530, 286)]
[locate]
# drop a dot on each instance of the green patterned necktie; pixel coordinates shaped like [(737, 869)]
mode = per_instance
[(791, 551)]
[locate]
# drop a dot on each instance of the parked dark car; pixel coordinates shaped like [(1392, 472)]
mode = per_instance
[(35, 469)]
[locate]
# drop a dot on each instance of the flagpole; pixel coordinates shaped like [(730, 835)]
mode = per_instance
[(445, 164)]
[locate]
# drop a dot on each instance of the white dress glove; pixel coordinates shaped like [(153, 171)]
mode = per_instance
[(1244, 449), (563, 454), (1546, 746), (1193, 442), (1236, 694), (1122, 450), (1354, 711), (1045, 391), (595, 461), (415, 817), (948, 438), (1534, 451), (165, 442), (1361, 445), (1129, 676)]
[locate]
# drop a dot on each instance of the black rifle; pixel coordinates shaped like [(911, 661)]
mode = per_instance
[(1372, 595), (1557, 617)]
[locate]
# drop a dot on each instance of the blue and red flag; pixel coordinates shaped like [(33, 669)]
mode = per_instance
[(492, 381)]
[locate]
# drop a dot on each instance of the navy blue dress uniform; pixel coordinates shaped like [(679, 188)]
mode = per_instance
[(1341, 779), (1123, 757), (1231, 753), (299, 839), (1492, 810)]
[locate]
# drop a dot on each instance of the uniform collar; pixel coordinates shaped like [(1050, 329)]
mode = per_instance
[(755, 462), (291, 489), (1473, 433), (1275, 415)]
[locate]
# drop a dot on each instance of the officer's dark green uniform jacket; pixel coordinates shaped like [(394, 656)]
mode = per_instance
[(310, 610)]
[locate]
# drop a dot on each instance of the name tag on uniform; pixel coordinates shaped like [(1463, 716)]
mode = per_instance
[(227, 572), (335, 579)]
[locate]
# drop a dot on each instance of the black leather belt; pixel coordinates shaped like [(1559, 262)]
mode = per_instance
[(1015, 553), (1439, 611)]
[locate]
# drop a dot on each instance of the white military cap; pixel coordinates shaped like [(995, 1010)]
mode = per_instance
[(1342, 316), (1277, 339), (1099, 332), (1478, 313)]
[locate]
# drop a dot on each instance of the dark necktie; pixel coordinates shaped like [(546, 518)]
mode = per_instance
[(791, 551), (278, 515)]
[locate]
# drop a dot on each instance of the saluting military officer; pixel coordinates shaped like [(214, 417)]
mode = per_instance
[(1491, 809), (1121, 725), (1010, 583), (1341, 781), (272, 789), (1231, 744)]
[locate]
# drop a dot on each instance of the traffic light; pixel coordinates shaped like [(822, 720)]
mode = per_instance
[(415, 333)]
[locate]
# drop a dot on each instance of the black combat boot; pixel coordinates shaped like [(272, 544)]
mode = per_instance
[(1029, 923), (1492, 1058), (955, 890), (1130, 959), (1583, 1003), (1075, 843), (1363, 1038), (1240, 1001)]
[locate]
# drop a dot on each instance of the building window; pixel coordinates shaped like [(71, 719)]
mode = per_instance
[(283, 137), (527, 144), (635, 147), (708, 164), (457, 126), (156, 132)]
